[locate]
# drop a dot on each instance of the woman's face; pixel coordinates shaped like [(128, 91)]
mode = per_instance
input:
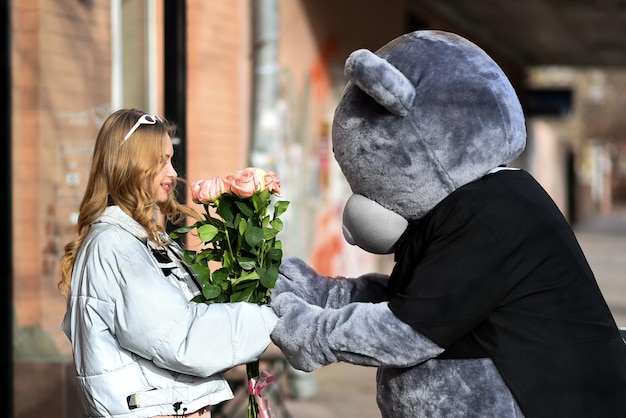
[(163, 180)]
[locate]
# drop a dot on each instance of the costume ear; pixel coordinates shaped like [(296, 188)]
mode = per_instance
[(380, 80)]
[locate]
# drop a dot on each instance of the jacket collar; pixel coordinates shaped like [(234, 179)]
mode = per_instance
[(114, 215)]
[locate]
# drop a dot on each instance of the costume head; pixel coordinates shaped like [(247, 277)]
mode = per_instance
[(426, 114)]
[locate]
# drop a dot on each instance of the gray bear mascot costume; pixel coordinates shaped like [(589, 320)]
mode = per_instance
[(491, 309)]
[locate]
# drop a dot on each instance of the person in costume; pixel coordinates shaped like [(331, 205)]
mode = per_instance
[(491, 309)]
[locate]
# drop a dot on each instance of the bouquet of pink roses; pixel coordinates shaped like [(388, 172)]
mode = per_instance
[(239, 233)]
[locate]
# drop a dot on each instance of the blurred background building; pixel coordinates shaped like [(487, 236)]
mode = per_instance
[(255, 82)]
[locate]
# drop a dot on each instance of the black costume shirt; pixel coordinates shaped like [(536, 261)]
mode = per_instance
[(494, 270)]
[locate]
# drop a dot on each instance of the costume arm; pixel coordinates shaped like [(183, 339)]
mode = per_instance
[(333, 292), (367, 334)]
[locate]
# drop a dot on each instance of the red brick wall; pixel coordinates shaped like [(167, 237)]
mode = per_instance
[(61, 72), (27, 227)]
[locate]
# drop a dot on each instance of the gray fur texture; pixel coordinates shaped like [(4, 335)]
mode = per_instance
[(381, 80), (465, 120), (321, 336), (300, 279), (445, 389)]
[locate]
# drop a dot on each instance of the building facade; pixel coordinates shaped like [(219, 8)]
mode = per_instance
[(256, 82)]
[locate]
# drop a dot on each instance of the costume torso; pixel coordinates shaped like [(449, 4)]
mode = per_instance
[(494, 270)]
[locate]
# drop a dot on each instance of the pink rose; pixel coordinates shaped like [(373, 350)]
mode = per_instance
[(208, 190), (244, 183), (227, 182), (195, 189), (272, 183)]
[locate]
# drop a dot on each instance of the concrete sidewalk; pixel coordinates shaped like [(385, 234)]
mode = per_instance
[(348, 391), (343, 390)]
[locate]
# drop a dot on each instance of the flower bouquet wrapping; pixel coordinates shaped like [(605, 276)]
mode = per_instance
[(238, 233)]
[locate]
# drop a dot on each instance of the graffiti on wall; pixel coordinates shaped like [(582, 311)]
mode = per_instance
[(313, 181)]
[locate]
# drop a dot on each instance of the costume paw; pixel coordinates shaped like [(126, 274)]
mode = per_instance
[(296, 332), (302, 280)]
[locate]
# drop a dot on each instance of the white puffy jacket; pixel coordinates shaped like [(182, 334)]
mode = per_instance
[(141, 348)]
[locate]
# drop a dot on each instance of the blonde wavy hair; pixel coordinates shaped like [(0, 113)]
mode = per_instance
[(122, 174)]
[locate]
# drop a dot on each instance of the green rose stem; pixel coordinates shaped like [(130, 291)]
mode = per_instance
[(230, 251), (252, 370)]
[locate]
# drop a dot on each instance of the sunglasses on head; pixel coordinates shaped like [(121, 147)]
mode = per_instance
[(144, 120)]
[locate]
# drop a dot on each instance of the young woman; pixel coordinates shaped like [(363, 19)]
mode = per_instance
[(141, 347)]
